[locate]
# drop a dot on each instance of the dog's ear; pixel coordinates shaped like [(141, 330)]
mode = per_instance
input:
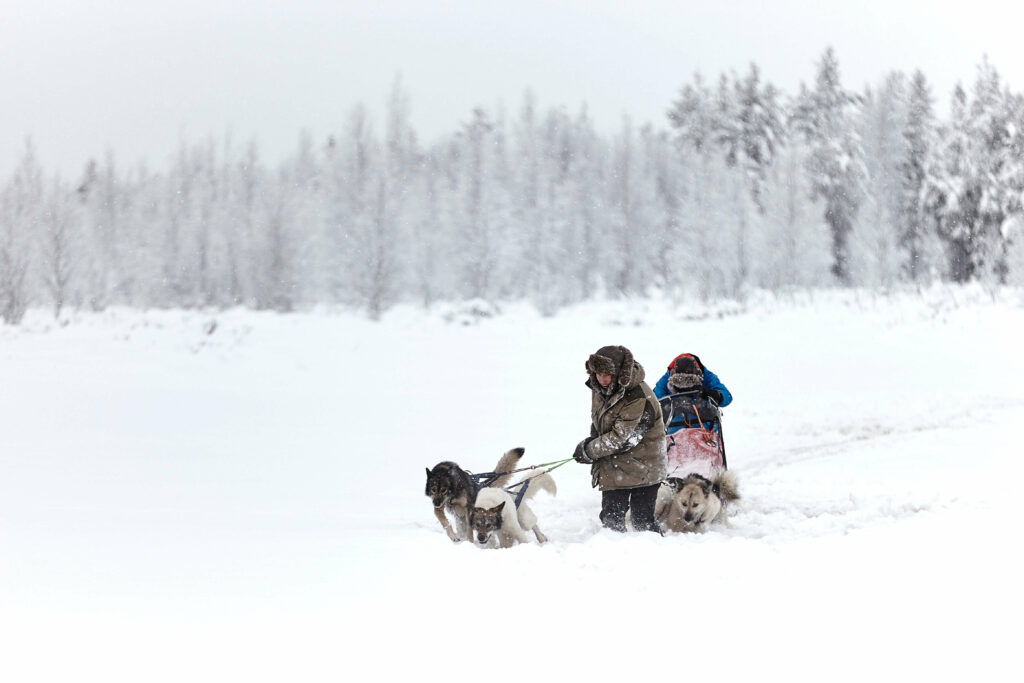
[(500, 507), (675, 483), (428, 472), (703, 482)]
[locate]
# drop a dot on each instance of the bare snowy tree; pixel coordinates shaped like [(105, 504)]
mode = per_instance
[(880, 226), (476, 246), (56, 249), (623, 253), (20, 204), (694, 118)]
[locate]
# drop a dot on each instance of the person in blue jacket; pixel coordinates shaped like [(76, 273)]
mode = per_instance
[(686, 372)]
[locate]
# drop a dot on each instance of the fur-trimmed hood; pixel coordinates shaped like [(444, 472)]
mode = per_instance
[(685, 373), (617, 361), (680, 381)]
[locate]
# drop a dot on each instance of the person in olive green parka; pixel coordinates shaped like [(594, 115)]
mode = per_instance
[(626, 447)]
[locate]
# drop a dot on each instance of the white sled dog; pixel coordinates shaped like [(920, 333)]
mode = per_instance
[(693, 502), (495, 522)]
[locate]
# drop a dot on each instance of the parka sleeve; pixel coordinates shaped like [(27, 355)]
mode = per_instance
[(711, 381), (628, 430), (661, 388)]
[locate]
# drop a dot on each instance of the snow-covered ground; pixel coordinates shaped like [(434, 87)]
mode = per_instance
[(239, 496)]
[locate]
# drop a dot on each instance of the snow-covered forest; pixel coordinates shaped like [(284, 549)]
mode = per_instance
[(741, 187)]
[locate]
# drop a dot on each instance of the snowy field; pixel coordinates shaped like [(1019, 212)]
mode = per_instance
[(239, 496)]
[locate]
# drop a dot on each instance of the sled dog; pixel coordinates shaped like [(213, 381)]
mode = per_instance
[(693, 502), (453, 491), (495, 522)]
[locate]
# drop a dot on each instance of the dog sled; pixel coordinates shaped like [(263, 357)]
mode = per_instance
[(698, 446)]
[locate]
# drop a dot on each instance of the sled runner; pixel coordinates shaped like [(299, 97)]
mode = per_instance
[(697, 447)]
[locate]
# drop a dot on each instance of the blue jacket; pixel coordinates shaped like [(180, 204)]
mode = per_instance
[(711, 381)]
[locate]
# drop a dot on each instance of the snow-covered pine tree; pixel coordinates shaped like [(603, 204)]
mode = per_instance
[(757, 132), (950, 198), (733, 253), (879, 229), (749, 129), (1012, 178), (920, 138), (990, 120), (964, 194), (835, 159)]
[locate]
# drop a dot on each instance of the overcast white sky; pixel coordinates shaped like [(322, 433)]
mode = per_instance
[(84, 76)]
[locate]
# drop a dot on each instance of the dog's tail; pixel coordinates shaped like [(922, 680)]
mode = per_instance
[(726, 486), (507, 463), (540, 482)]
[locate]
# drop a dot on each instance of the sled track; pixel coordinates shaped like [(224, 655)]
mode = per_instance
[(760, 517), (831, 448), (866, 433)]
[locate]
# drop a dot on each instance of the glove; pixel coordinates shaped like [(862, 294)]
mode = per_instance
[(713, 394), (580, 455)]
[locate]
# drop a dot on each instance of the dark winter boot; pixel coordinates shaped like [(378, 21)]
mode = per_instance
[(613, 509), (641, 506)]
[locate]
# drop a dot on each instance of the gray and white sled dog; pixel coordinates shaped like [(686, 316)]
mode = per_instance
[(693, 502), (496, 523), (453, 492)]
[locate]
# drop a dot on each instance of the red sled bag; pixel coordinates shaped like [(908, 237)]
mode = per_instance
[(695, 451), (698, 447)]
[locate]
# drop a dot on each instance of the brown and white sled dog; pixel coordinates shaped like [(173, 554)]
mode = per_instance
[(453, 491), (496, 523), (693, 502)]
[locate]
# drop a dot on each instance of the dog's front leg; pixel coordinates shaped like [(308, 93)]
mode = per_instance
[(462, 528), (441, 517), (541, 538), (661, 512)]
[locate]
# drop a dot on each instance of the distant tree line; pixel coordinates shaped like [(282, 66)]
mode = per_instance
[(743, 187)]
